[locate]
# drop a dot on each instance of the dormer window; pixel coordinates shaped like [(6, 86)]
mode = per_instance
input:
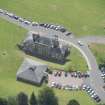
[(32, 68)]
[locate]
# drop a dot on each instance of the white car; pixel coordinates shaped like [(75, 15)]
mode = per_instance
[(92, 96), (92, 93), (89, 91), (84, 87), (27, 22), (80, 43), (52, 84), (10, 14), (21, 19), (35, 23), (1, 11)]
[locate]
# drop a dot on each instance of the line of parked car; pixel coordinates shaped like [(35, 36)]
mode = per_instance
[(84, 87), (76, 74), (13, 16), (103, 74), (91, 92), (64, 87), (55, 27), (27, 22)]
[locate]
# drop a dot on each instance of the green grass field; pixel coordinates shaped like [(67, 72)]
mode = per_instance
[(82, 17), (98, 51)]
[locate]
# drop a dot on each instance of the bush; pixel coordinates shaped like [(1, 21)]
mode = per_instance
[(3, 101), (47, 97), (33, 100), (22, 99), (73, 102), (12, 101)]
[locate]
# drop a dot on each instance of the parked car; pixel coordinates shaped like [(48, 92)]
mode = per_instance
[(69, 33), (35, 23), (1, 11), (15, 17), (21, 19), (10, 15), (27, 22), (62, 30), (80, 43)]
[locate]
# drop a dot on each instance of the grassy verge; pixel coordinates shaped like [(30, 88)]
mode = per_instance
[(99, 51)]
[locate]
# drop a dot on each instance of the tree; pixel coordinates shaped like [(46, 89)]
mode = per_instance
[(3, 101), (73, 102), (47, 97), (22, 99), (33, 100), (12, 101)]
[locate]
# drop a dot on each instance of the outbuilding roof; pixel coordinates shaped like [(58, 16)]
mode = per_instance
[(31, 71)]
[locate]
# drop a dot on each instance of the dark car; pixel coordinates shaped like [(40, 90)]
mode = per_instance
[(41, 24), (69, 33), (62, 30), (66, 74), (98, 100), (16, 17)]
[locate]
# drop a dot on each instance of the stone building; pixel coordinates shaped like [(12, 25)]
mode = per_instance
[(32, 72), (45, 47)]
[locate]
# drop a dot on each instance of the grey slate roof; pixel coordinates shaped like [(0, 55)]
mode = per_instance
[(31, 71), (42, 40)]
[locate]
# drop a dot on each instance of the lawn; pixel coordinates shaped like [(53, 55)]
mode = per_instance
[(80, 96), (75, 62), (82, 17), (10, 60), (98, 51)]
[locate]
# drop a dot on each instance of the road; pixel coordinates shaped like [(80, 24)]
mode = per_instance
[(93, 39), (95, 79)]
